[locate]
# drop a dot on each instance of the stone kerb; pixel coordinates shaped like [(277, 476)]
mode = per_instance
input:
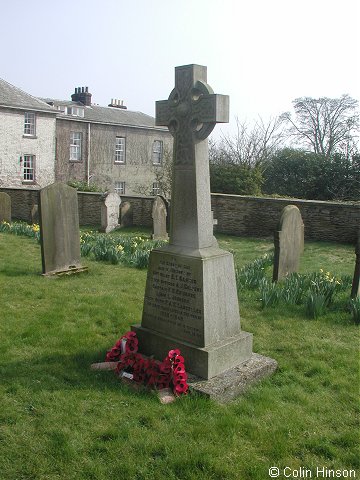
[(59, 229), (5, 207), (289, 243)]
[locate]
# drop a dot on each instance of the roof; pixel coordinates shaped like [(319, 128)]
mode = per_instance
[(107, 115), (13, 97)]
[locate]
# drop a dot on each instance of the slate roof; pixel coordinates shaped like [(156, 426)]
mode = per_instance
[(13, 97), (107, 115)]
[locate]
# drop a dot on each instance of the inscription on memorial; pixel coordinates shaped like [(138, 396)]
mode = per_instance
[(173, 299)]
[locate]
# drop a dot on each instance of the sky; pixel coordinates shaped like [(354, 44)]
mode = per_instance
[(261, 53)]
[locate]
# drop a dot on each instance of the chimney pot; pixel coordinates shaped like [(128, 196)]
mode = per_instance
[(82, 95)]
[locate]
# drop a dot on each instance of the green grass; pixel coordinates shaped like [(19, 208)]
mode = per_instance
[(60, 420)]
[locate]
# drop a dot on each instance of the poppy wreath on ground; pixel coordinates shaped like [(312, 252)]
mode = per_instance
[(170, 373)]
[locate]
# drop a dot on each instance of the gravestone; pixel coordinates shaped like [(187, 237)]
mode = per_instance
[(355, 290), (59, 230), (289, 242), (35, 213), (191, 297), (5, 207), (110, 212), (159, 215), (126, 214)]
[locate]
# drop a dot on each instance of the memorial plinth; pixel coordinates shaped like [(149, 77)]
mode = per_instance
[(191, 298), (191, 304)]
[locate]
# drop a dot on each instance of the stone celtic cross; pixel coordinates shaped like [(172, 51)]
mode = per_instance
[(191, 112)]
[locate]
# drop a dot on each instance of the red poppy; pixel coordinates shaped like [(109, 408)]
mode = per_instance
[(130, 335), (148, 370), (140, 364), (179, 359), (165, 368), (180, 377), (182, 388), (131, 347), (179, 369), (112, 355), (173, 353)]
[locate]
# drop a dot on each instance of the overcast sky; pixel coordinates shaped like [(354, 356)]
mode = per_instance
[(261, 53)]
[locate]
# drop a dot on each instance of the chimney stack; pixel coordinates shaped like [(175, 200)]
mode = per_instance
[(115, 103), (82, 95)]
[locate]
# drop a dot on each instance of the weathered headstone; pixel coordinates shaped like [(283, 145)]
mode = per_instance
[(191, 298), (35, 213), (110, 212), (159, 215), (5, 207), (355, 290), (289, 242), (59, 230), (126, 214)]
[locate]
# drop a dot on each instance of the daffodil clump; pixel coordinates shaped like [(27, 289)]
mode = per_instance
[(133, 251), (128, 250), (316, 291), (21, 228)]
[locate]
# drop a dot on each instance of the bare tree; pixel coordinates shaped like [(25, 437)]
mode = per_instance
[(325, 125), (252, 145)]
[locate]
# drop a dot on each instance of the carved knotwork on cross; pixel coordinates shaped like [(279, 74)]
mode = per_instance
[(191, 111)]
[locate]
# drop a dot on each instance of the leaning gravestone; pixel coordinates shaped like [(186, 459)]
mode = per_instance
[(126, 214), (159, 215), (110, 212), (289, 242), (35, 213), (355, 290), (191, 298), (59, 230), (5, 207)]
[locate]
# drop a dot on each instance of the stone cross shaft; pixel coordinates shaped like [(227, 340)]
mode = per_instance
[(191, 112)]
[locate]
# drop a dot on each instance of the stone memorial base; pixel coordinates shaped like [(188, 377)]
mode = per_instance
[(191, 304), (235, 381), (205, 362), (66, 272)]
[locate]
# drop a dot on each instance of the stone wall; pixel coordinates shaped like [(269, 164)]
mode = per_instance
[(259, 216), (236, 215)]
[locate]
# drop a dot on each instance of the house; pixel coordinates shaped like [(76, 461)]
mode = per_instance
[(27, 139), (47, 140), (110, 147)]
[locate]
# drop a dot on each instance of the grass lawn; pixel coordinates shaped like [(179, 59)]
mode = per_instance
[(60, 420)]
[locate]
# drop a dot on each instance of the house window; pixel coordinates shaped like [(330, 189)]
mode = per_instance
[(157, 152), (29, 124), (28, 168), (120, 150), (75, 146), (74, 111), (155, 188), (120, 188)]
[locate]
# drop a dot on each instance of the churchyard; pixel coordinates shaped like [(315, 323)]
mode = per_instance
[(272, 394), (61, 420)]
